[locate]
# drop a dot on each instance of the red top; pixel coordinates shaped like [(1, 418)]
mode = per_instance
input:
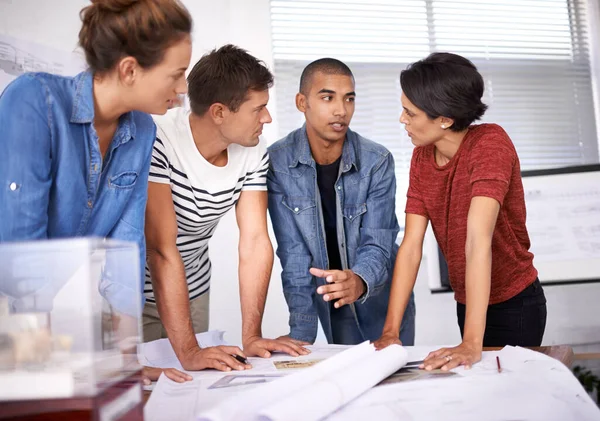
[(486, 164)]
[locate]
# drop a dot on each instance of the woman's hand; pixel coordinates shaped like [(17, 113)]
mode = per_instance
[(448, 358)]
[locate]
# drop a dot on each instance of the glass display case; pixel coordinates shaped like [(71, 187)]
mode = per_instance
[(70, 317)]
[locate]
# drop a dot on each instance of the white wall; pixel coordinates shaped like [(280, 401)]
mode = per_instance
[(574, 313), (38, 21)]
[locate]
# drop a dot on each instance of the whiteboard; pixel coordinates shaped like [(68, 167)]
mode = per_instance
[(563, 221)]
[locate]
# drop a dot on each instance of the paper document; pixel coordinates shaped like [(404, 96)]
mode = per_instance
[(160, 354), (293, 364), (530, 387), (171, 401), (299, 396)]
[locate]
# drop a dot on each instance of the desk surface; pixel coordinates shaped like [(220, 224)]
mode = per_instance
[(563, 353)]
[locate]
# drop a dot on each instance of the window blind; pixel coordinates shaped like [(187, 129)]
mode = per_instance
[(533, 55)]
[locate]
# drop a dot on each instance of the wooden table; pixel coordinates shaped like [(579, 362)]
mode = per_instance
[(563, 353), (121, 401)]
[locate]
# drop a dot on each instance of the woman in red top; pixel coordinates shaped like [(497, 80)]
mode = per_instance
[(466, 180)]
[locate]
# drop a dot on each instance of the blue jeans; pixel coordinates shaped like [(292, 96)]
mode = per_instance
[(345, 330)]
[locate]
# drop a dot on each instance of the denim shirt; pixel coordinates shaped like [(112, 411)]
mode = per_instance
[(54, 182), (367, 229)]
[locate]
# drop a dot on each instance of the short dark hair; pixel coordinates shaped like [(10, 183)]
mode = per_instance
[(143, 29), (226, 75), (328, 66), (446, 85)]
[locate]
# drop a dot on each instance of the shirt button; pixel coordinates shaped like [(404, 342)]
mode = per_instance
[(13, 186), (339, 187), (350, 217), (296, 209)]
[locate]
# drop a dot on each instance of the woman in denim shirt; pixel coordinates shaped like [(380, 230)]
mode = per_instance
[(75, 151)]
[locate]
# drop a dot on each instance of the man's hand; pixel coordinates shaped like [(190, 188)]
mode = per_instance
[(296, 341), (344, 286), (447, 358), (260, 347), (150, 374), (386, 340), (217, 357)]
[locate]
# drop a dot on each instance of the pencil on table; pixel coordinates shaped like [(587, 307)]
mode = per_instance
[(498, 362)]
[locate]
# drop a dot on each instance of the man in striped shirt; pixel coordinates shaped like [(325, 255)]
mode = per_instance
[(205, 162)]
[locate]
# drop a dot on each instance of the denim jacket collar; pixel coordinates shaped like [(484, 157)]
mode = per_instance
[(83, 109), (303, 154)]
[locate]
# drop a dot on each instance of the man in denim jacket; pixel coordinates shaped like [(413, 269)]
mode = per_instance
[(332, 204)]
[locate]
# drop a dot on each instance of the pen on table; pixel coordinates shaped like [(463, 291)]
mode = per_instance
[(499, 366)]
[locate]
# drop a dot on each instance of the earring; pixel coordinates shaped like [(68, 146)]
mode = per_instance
[(443, 126)]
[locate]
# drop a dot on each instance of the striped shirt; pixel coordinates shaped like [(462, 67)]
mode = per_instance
[(202, 193)]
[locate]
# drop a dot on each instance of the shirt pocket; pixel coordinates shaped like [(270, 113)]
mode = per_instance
[(303, 211), (125, 180), (354, 212)]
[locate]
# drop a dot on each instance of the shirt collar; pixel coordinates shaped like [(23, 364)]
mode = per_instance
[(83, 109), (304, 155), (83, 100)]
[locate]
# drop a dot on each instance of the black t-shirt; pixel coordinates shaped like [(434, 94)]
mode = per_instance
[(326, 177)]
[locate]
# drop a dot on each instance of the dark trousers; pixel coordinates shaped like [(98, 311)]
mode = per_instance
[(520, 320), (343, 326)]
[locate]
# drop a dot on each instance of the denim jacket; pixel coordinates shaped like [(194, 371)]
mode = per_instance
[(54, 182), (367, 229)]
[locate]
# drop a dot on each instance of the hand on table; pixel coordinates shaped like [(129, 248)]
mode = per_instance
[(217, 357), (386, 340), (448, 358), (150, 374), (296, 341), (261, 347)]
